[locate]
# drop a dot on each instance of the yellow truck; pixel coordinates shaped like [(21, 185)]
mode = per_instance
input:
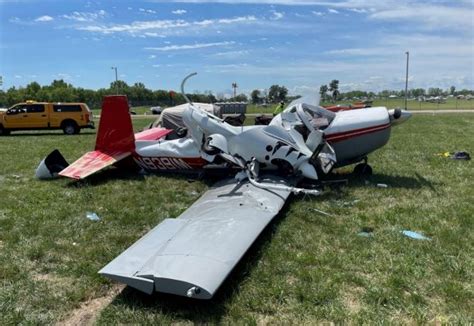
[(31, 115)]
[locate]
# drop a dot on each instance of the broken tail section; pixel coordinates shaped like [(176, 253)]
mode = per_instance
[(115, 140)]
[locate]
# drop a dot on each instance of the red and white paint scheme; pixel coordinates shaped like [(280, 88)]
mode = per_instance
[(299, 141)]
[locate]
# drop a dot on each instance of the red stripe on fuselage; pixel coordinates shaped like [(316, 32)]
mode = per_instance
[(340, 136)]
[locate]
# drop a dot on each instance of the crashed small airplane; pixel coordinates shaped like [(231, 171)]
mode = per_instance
[(191, 255)]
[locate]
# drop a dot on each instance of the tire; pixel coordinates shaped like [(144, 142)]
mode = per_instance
[(3, 131), (70, 128), (208, 149), (363, 169)]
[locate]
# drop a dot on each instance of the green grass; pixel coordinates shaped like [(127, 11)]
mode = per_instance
[(305, 267)]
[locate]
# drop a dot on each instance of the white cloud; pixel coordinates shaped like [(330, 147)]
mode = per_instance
[(277, 15), (153, 34), (333, 11), (232, 54), (317, 13), (85, 16), (152, 56), (149, 11), (164, 25), (189, 46), (44, 19), (431, 16), (359, 11), (179, 12)]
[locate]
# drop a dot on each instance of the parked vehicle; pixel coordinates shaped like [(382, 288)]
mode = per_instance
[(156, 109), (31, 115)]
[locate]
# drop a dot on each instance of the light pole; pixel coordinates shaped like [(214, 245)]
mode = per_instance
[(234, 86), (116, 79), (406, 81)]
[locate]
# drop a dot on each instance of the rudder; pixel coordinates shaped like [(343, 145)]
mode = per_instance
[(115, 133)]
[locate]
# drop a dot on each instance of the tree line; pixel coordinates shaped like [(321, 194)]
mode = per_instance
[(60, 91), (139, 95)]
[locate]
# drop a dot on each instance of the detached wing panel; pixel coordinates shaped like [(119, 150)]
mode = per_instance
[(92, 162), (193, 254)]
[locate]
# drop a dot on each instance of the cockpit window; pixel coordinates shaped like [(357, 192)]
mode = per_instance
[(319, 117)]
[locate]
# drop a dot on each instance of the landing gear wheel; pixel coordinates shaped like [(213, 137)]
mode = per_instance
[(363, 169), (209, 149)]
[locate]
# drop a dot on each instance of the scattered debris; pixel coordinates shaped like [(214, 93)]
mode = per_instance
[(321, 212), (193, 193), (342, 203), (461, 156), (414, 235), (92, 216), (382, 185), (458, 155), (366, 232)]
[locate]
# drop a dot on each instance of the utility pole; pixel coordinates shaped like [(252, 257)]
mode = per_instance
[(234, 86), (116, 79), (406, 81)]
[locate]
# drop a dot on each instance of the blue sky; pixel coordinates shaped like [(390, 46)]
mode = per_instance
[(300, 44)]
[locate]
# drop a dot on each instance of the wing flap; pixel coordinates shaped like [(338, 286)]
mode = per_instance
[(92, 162), (200, 248)]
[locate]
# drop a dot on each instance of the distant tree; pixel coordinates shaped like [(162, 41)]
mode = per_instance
[(119, 86), (32, 90), (334, 88), (277, 93), (452, 90), (240, 98), (256, 96), (60, 84), (322, 91), (435, 91)]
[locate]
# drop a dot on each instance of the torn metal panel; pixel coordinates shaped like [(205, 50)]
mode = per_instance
[(193, 254)]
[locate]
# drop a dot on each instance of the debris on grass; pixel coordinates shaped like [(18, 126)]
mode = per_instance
[(458, 155), (461, 156), (366, 232), (382, 185), (414, 235), (320, 212), (92, 216), (337, 182)]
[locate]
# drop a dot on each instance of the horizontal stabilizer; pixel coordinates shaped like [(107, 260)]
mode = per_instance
[(92, 162), (193, 254), (152, 134)]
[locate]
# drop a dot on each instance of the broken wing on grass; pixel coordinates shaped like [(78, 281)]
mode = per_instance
[(192, 255)]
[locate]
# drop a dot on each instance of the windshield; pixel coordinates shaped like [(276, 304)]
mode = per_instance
[(311, 99), (318, 117)]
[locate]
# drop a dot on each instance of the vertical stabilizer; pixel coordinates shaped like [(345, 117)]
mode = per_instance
[(115, 133)]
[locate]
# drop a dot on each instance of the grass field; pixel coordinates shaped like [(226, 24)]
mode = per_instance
[(305, 267)]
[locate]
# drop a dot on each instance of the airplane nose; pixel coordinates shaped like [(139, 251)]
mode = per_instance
[(397, 116)]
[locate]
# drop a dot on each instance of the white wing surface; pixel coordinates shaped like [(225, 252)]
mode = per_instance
[(193, 254)]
